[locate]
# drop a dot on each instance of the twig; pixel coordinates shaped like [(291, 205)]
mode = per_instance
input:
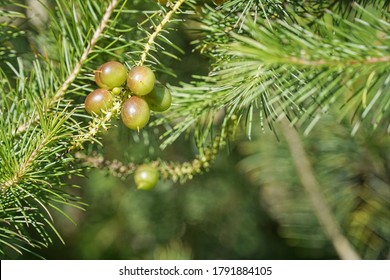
[(115, 167), (23, 166), (76, 70), (321, 62), (322, 210), (159, 27), (175, 171)]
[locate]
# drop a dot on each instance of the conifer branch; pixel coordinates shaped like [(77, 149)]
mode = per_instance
[(114, 167), (158, 29), (50, 135), (271, 67), (24, 166), (87, 51), (321, 208), (321, 62), (175, 171), (77, 68)]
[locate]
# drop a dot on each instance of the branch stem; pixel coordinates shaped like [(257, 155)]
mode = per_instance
[(60, 92), (320, 62), (158, 29), (321, 208), (175, 171), (77, 68), (23, 167), (87, 51)]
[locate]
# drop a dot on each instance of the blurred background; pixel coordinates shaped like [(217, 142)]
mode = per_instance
[(220, 214), (249, 205)]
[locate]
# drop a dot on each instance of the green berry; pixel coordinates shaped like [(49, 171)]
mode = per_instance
[(159, 99), (111, 74), (98, 101), (135, 113), (116, 91), (146, 177), (141, 80)]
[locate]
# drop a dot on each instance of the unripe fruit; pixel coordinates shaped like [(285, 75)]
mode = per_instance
[(146, 177), (116, 91), (140, 80), (111, 74), (162, 2), (218, 2), (135, 113), (98, 100), (159, 99)]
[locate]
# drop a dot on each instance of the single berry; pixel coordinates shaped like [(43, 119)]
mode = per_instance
[(141, 80), (146, 177), (111, 74), (159, 99), (98, 100), (135, 113), (116, 91), (219, 2)]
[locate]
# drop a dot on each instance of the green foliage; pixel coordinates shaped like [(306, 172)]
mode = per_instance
[(266, 60), (291, 70)]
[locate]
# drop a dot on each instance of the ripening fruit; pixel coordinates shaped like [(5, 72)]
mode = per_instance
[(140, 80), (111, 74), (116, 91), (146, 177), (219, 2), (98, 100), (159, 99), (135, 113)]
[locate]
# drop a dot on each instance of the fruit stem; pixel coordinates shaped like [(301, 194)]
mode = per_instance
[(159, 28)]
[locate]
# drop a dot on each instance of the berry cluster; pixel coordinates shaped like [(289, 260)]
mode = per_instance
[(142, 93)]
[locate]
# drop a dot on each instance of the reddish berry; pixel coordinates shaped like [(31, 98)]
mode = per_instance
[(135, 113), (97, 101), (140, 80), (111, 74)]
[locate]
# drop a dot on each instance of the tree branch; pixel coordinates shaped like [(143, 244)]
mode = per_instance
[(23, 167), (322, 210), (76, 70), (176, 171), (321, 62), (159, 27)]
